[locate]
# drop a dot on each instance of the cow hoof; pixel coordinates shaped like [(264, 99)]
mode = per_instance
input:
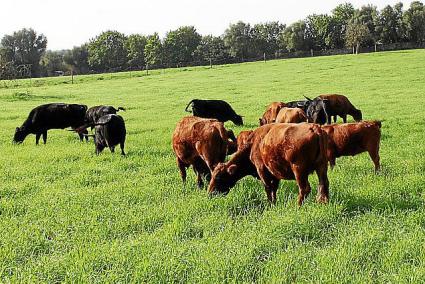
[(322, 199)]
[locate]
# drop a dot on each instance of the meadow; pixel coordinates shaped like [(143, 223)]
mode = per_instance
[(67, 215)]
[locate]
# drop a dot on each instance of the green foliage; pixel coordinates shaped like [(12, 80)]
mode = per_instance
[(239, 39), (294, 37), (180, 44), (211, 48), (135, 45), (341, 16), (357, 33), (24, 47), (266, 37), (153, 50), (51, 62), (67, 215), (390, 25), (107, 51), (414, 19), (77, 59)]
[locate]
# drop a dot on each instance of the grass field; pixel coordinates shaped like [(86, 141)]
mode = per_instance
[(67, 215)]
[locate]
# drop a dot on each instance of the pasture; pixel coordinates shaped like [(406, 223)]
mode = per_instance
[(67, 215)]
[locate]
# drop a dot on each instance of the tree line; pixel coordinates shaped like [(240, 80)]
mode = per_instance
[(345, 27)]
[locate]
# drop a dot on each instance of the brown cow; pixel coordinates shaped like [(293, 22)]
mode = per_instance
[(340, 105), (271, 112), (275, 152), (291, 115), (354, 138), (243, 138), (202, 143)]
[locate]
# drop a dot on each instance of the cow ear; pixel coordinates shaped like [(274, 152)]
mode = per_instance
[(231, 170)]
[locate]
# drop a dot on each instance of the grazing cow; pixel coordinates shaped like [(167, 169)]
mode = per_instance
[(340, 105), (271, 112), (51, 116), (216, 109), (96, 112), (109, 132), (278, 151), (291, 115), (299, 104), (243, 138), (354, 138), (202, 143), (317, 110)]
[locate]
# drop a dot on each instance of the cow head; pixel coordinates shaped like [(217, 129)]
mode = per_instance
[(357, 115), (317, 110), (223, 179), (20, 134), (237, 120)]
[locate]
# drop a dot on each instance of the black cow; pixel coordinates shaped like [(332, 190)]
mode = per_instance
[(299, 104), (109, 132), (217, 109), (51, 116), (96, 112), (317, 110)]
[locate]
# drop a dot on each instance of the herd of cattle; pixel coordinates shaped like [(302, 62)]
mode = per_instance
[(291, 142)]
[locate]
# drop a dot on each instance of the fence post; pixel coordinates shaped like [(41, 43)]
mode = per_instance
[(264, 57), (312, 52), (147, 69), (72, 76), (210, 63)]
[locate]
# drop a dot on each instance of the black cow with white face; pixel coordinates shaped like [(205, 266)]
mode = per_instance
[(216, 109), (317, 110), (51, 116)]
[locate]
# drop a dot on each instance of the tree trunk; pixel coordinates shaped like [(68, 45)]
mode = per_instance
[(357, 48)]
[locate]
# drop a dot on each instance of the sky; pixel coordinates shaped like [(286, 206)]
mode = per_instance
[(72, 23)]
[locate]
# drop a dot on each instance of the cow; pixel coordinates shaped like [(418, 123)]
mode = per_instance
[(317, 110), (201, 143), (271, 112), (303, 104), (340, 105), (96, 112), (51, 116), (350, 139), (274, 152), (243, 138), (291, 115), (109, 131), (216, 109)]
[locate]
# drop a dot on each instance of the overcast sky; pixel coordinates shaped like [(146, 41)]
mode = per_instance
[(73, 22)]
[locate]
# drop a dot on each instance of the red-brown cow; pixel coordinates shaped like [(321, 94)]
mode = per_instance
[(340, 105), (291, 115), (202, 143), (354, 138), (271, 112), (243, 138), (275, 152)]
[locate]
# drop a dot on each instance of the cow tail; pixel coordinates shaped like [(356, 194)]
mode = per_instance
[(120, 108), (323, 145), (186, 109)]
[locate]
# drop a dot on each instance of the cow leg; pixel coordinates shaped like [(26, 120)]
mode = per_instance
[(45, 137), (335, 118), (323, 187), (99, 149), (37, 138), (122, 148), (86, 135), (374, 155), (182, 167), (202, 170), (112, 148), (270, 183), (303, 185), (329, 119), (344, 118)]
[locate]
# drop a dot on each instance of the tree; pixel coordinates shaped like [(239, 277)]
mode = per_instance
[(357, 33), (212, 48), (51, 62), (390, 26), (107, 51), (369, 16), (238, 38), (153, 50), (135, 46), (319, 30), (294, 37), (77, 59), (414, 19), (24, 47), (180, 44), (341, 16), (266, 37)]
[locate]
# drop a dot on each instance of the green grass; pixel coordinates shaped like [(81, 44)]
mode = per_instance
[(67, 215)]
